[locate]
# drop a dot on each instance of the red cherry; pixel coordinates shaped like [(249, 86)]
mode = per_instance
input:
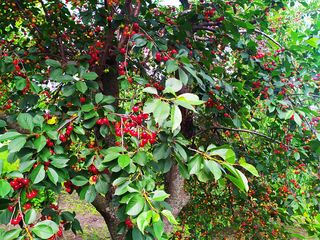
[(99, 121), (25, 181), (82, 99), (15, 221), (135, 109), (105, 121), (27, 206), (70, 128), (60, 232), (63, 138), (128, 223), (92, 168), (94, 178), (11, 208), (130, 80), (158, 56), (174, 51), (135, 26), (122, 50)]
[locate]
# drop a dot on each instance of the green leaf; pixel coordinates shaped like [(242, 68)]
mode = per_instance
[(250, 168), (172, 85), (90, 76), (214, 168), (53, 175), (161, 112), (111, 156), (313, 42), (53, 63), (26, 166), (225, 153), (5, 188), (45, 229), (2, 123), (9, 136), (183, 77), (68, 90), (30, 216), (159, 195), (52, 135), (150, 106), (79, 180), (135, 205), (40, 143), (288, 114), (108, 99), (297, 119), (25, 120), (38, 174), (143, 220), (176, 117), (98, 97), (169, 216), (238, 178), (190, 98), (91, 194), (81, 86), (172, 66), (12, 234), (150, 90), (79, 130), (140, 158), (17, 144), (140, 42), (102, 186), (123, 161), (194, 165), (59, 161), (38, 120), (158, 228), (20, 82), (87, 107)]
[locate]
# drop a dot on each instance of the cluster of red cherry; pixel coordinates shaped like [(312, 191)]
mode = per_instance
[(69, 186), (64, 137), (160, 56), (132, 126), (211, 103), (18, 183)]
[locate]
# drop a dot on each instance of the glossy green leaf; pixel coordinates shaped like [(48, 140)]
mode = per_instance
[(25, 120), (5, 188), (38, 174), (135, 205), (90, 76)]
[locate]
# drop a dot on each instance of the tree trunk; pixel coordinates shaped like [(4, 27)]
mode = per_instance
[(104, 206), (178, 196), (174, 182)]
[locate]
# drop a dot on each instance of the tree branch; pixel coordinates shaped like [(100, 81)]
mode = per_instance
[(246, 131), (263, 34)]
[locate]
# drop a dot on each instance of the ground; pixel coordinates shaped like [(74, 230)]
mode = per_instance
[(93, 225)]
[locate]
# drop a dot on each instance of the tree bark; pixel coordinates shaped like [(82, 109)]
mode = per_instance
[(104, 206), (174, 182), (178, 196)]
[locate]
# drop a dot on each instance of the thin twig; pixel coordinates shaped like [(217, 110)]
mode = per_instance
[(246, 131)]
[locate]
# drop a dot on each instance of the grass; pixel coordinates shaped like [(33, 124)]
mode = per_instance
[(92, 223)]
